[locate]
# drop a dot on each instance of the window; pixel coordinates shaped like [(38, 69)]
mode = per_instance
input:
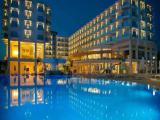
[(134, 2), (143, 24), (48, 11), (14, 3), (14, 34), (28, 4), (14, 14), (27, 33), (143, 34), (28, 23), (149, 36), (28, 14), (135, 33), (40, 7), (47, 28), (5, 22), (142, 5), (40, 27)]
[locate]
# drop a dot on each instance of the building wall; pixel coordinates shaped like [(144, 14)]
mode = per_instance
[(27, 33), (126, 26), (61, 47)]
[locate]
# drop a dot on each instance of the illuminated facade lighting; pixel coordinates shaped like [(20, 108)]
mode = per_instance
[(126, 28), (23, 46)]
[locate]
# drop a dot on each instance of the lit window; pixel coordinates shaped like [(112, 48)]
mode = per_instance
[(5, 22), (143, 24), (28, 4), (48, 11), (47, 28), (27, 33), (5, 12), (28, 23), (143, 34), (142, 5), (28, 14)]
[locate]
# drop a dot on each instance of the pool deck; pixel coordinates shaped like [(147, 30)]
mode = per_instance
[(138, 78)]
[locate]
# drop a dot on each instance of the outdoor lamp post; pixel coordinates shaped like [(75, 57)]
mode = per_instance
[(148, 66), (153, 64)]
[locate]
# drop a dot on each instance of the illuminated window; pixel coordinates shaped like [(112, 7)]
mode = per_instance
[(143, 34), (5, 12), (28, 4), (149, 36), (27, 50), (149, 17), (14, 97), (149, 8), (28, 23), (142, 5), (14, 49), (47, 28), (143, 24), (27, 33), (5, 22), (28, 14), (48, 11)]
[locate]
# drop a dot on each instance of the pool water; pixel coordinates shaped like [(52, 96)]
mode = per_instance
[(76, 98)]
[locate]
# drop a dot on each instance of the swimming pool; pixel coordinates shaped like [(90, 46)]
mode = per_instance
[(75, 98)]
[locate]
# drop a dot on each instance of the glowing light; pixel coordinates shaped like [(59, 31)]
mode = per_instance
[(15, 93), (15, 53), (154, 92), (61, 82), (94, 90)]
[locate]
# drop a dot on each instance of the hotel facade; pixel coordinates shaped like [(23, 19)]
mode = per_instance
[(118, 41), (27, 36), (61, 47)]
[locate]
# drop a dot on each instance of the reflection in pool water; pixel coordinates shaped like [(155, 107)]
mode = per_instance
[(73, 98)]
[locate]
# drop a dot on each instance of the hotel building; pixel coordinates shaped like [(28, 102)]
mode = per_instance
[(118, 41), (27, 36), (62, 47)]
